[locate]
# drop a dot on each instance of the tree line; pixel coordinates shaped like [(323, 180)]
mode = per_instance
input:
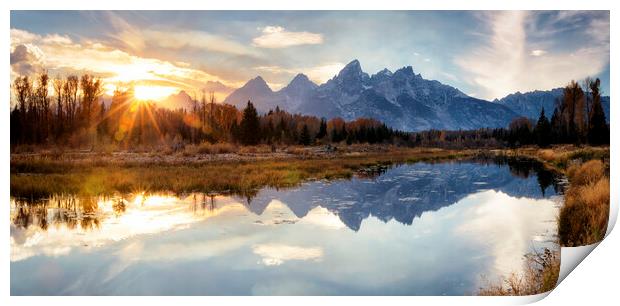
[(577, 118), (75, 115)]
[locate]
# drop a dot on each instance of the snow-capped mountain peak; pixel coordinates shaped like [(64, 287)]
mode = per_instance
[(402, 99)]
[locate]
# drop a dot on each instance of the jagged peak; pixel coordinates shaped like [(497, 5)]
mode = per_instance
[(300, 77), (352, 67), (257, 82), (385, 71), (407, 70), (257, 79), (353, 63), (300, 80)]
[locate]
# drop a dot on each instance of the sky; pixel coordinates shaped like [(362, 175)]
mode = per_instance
[(486, 54)]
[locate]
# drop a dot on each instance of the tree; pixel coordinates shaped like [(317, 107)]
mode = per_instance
[(322, 129), (598, 132), (250, 126), (542, 131), (573, 114), (304, 137), (520, 131)]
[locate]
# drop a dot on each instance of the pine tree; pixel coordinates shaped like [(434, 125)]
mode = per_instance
[(598, 132), (250, 126), (542, 131), (304, 137)]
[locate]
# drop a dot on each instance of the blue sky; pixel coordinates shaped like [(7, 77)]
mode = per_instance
[(487, 54)]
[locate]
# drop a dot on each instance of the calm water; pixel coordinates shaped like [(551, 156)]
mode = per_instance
[(421, 229)]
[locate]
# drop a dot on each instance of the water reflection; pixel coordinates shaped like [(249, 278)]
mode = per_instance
[(414, 229)]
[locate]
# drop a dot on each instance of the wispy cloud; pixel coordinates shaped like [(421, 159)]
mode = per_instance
[(507, 63), (279, 37), (194, 39)]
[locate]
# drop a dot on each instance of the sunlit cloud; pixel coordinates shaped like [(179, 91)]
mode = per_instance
[(32, 53), (279, 37), (507, 63)]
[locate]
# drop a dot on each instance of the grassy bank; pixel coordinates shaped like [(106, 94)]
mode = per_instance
[(42, 176), (585, 213), (582, 220)]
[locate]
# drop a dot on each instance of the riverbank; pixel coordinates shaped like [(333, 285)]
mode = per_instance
[(38, 176), (582, 220), (584, 216)]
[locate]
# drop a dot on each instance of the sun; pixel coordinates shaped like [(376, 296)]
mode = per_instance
[(148, 92)]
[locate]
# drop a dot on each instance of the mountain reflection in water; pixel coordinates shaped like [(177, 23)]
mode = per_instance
[(140, 228)]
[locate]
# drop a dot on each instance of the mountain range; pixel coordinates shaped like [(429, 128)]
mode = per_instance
[(531, 103), (402, 99)]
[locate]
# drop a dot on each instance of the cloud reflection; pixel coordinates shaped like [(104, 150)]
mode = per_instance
[(277, 254)]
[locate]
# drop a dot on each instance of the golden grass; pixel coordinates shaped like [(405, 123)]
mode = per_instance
[(42, 178), (586, 173), (216, 148), (585, 214)]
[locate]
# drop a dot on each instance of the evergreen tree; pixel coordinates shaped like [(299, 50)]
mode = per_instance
[(304, 137), (598, 132), (250, 126), (322, 129), (542, 131)]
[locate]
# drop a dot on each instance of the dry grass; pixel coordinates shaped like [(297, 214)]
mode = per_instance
[(587, 173), (540, 275), (258, 149), (585, 214), (217, 148), (583, 218), (42, 178)]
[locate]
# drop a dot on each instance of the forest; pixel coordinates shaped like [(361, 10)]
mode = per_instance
[(74, 115)]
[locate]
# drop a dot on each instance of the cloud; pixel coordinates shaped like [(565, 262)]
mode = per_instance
[(277, 254), (194, 39), (318, 74), (505, 65), (31, 53), (279, 37), (26, 59)]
